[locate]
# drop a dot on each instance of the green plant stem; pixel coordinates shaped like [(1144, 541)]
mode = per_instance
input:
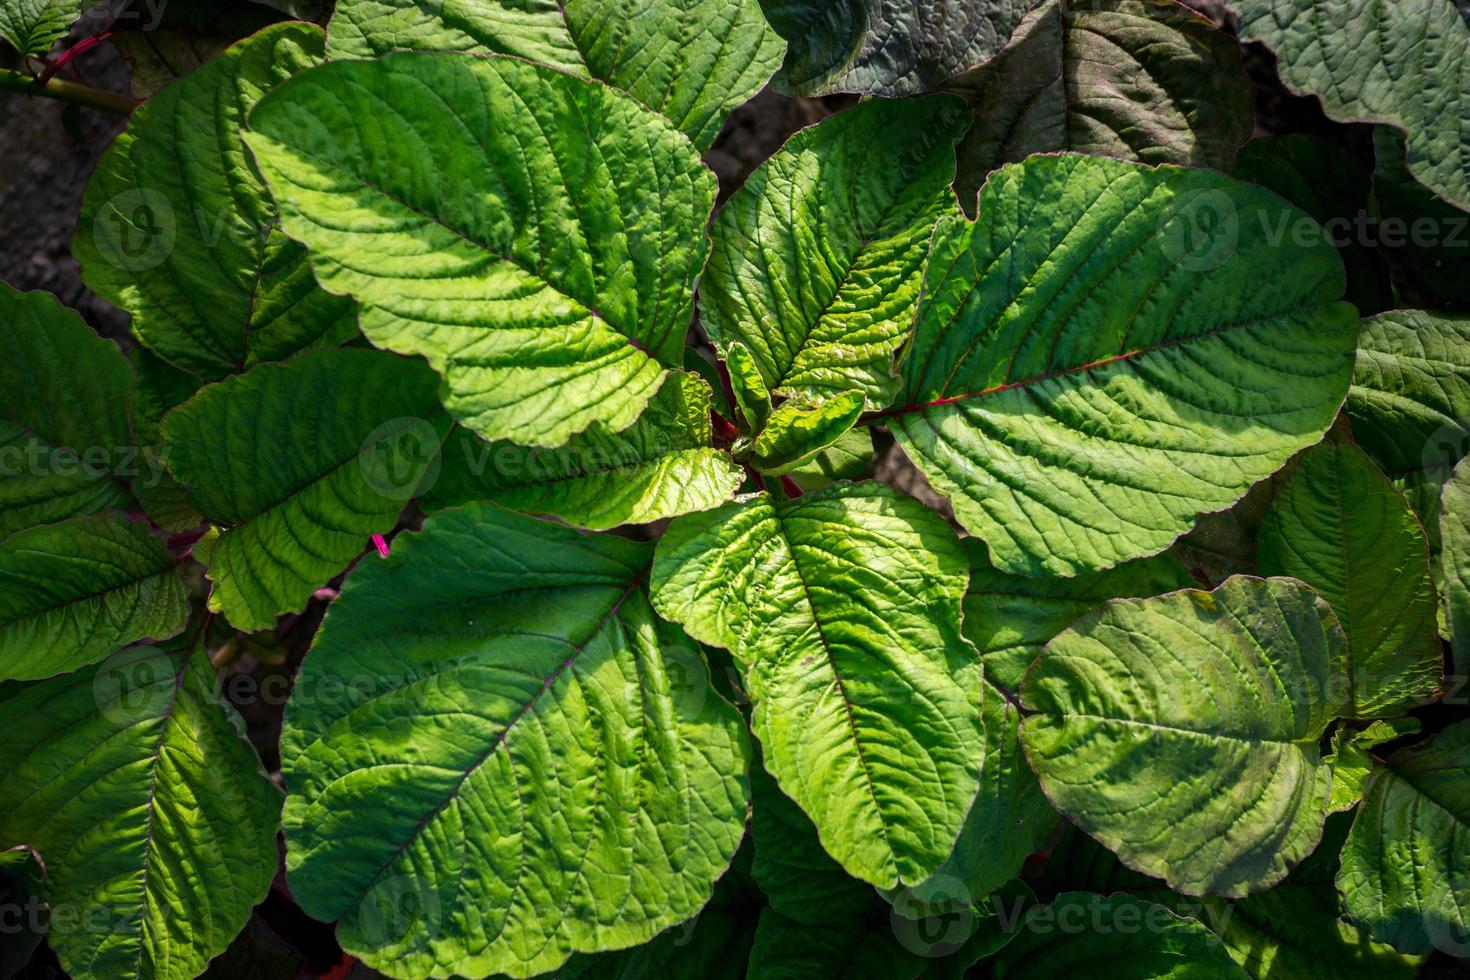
[(65, 91)]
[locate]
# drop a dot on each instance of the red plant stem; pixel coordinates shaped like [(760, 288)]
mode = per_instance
[(186, 538), (789, 485), (81, 47), (724, 430)]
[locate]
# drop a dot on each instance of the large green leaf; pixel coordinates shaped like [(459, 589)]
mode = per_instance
[(1341, 527), (842, 608), (1112, 937), (818, 257), (157, 828), (1009, 821), (801, 879), (298, 464), (714, 945), (1454, 529), (32, 26), (178, 228), (1111, 350), (1350, 759), (535, 236), (66, 448), (661, 466), (73, 592), (1010, 618), (1143, 80), (883, 48), (691, 60), (1404, 867), (1402, 62), (526, 768), (1410, 402), (1181, 731)]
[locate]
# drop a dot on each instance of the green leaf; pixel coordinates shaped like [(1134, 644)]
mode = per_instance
[(660, 466), (1404, 875), (1112, 937), (1144, 80), (714, 945), (853, 948), (536, 765), (797, 431), (1010, 618), (20, 889), (1111, 350), (1181, 731), (1340, 526), (298, 464), (1350, 761), (534, 236), (842, 609), (691, 60), (1401, 62), (1332, 186), (801, 880), (178, 228), (1410, 402), (65, 443), (846, 459), (1454, 529), (751, 394), (158, 388), (72, 593), (33, 26), (135, 784), (1009, 821), (889, 49), (818, 257)]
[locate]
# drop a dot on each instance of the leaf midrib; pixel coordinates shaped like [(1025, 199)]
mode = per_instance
[(499, 740), (1123, 358)]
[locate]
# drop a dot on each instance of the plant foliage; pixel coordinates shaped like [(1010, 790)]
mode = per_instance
[(1006, 529)]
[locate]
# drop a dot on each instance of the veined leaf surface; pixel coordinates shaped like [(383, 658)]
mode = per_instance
[(178, 228), (1401, 62), (891, 49), (661, 466), (1454, 523), (64, 431), (1089, 376), (797, 431), (1404, 874), (73, 592), (1144, 80), (134, 782), (1340, 526), (526, 745), (842, 608), (1181, 731), (535, 236), (818, 257), (298, 470), (33, 26), (691, 60), (1010, 618), (1410, 402)]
